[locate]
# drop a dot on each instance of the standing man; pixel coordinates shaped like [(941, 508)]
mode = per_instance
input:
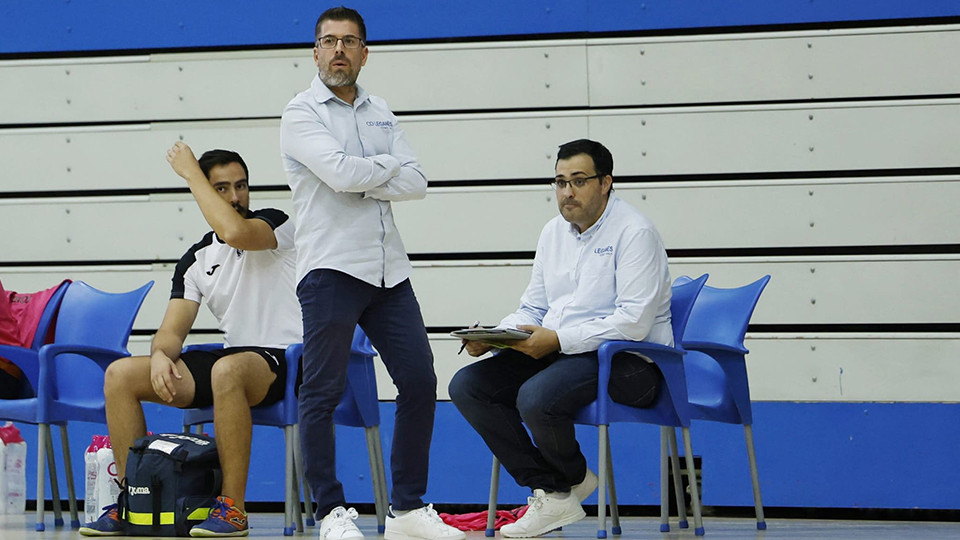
[(244, 271), (346, 159), (599, 274)]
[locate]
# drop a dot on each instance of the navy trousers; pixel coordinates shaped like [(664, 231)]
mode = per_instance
[(333, 303), (498, 395)]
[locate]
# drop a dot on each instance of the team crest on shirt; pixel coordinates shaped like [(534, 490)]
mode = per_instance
[(384, 124), (604, 251)]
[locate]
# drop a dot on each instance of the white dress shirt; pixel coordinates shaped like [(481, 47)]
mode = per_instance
[(345, 163), (610, 282)]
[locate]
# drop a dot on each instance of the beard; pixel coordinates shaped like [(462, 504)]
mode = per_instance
[(336, 79), (242, 210)]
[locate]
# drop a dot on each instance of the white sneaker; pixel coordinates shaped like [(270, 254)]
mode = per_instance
[(420, 524), (587, 487), (339, 525), (545, 512)]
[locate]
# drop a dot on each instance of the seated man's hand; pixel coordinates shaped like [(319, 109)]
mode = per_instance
[(184, 163), (162, 372), (476, 348), (541, 342)]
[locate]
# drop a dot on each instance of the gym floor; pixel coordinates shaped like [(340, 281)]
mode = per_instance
[(270, 526)]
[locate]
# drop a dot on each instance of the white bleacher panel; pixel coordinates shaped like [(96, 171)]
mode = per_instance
[(699, 140), (854, 367), (778, 66), (504, 75), (798, 367), (492, 146), (782, 213), (748, 139), (887, 289), (803, 290), (256, 84), (129, 156), (809, 213), (453, 147), (697, 215), (141, 227)]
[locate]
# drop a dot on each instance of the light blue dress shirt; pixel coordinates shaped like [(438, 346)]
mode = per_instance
[(610, 282), (345, 164)]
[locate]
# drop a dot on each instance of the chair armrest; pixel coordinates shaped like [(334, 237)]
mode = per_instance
[(668, 359), (25, 359), (708, 347), (102, 356)]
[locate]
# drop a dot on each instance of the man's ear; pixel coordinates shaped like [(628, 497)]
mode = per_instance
[(606, 183)]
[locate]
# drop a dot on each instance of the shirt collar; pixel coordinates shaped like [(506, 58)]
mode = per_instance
[(323, 94), (611, 199)]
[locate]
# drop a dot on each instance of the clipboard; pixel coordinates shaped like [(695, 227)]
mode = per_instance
[(491, 334)]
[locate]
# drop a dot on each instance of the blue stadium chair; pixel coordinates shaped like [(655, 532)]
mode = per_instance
[(359, 407), (92, 330), (717, 385), (670, 409)]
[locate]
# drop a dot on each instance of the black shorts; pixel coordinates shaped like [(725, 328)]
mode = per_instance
[(200, 364)]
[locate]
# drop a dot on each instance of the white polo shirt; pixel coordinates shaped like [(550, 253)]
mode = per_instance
[(610, 282), (345, 164), (251, 293)]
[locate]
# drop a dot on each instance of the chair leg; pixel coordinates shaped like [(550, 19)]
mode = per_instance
[(54, 481), (602, 482), (288, 520), (295, 479), (378, 476), (614, 510), (68, 467), (492, 502), (754, 476), (677, 483), (298, 463), (41, 469), (694, 490), (664, 490)]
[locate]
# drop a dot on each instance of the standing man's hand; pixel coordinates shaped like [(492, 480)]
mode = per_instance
[(162, 373), (541, 342), (184, 163)]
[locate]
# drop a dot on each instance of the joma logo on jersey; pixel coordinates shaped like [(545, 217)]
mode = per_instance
[(138, 490)]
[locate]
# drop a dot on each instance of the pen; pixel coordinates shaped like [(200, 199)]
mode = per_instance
[(464, 346)]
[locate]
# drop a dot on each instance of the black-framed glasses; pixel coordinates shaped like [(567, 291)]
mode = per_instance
[(330, 42), (577, 183)]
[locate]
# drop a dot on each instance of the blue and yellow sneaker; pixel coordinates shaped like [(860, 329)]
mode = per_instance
[(108, 524), (225, 519)]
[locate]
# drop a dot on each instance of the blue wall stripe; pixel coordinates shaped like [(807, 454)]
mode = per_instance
[(817, 455), (94, 25)]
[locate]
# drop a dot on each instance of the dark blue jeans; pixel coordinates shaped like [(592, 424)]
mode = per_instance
[(497, 395), (333, 303)]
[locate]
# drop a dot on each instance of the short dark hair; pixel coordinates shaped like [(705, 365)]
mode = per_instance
[(212, 158), (341, 13), (602, 158)]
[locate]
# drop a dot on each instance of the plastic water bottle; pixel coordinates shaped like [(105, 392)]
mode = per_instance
[(13, 477)]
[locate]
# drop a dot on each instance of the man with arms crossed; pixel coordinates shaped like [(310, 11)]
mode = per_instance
[(346, 159), (599, 274), (244, 268)]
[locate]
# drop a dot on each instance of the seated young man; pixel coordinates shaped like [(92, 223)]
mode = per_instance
[(244, 269)]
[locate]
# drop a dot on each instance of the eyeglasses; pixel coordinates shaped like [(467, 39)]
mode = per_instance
[(330, 42), (577, 182)]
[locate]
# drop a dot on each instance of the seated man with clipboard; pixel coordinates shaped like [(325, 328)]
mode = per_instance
[(599, 274)]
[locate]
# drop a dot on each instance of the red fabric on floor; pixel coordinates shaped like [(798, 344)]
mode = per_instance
[(477, 521)]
